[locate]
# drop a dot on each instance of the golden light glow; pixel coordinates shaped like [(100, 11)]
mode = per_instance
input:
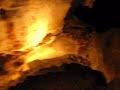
[(35, 34), (29, 31), (41, 18)]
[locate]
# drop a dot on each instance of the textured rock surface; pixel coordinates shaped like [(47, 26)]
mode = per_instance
[(81, 45), (84, 51)]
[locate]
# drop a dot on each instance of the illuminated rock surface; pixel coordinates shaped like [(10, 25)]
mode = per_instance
[(33, 39)]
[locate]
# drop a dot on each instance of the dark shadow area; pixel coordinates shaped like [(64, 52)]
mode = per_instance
[(73, 77), (103, 16)]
